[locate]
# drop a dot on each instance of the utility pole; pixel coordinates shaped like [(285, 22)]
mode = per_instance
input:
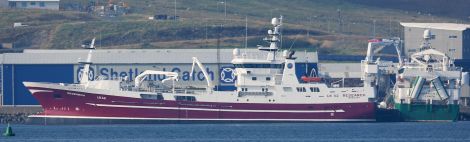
[(225, 10), (373, 34), (175, 11), (339, 20)]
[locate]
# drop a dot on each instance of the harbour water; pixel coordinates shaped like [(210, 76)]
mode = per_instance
[(458, 131)]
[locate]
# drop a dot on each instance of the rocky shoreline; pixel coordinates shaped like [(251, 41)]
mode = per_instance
[(14, 118)]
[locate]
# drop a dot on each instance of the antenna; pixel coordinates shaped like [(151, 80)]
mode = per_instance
[(246, 33), (293, 42), (280, 21), (306, 62)]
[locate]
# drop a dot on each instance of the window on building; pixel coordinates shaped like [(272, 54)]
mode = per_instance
[(42, 4), (268, 78), (253, 78), (33, 3), (12, 4), (24, 4)]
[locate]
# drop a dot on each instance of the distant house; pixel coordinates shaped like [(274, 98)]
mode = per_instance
[(34, 4)]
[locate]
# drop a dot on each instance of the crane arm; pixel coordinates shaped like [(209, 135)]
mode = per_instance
[(206, 75), (373, 44), (141, 77)]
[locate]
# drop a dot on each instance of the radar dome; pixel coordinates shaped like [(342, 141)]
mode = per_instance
[(275, 21), (236, 52), (427, 34)]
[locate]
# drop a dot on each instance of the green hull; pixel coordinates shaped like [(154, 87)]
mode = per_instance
[(423, 112)]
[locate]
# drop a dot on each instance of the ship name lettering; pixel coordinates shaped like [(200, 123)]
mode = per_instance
[(75, 94), (353, 96), (101, 97)]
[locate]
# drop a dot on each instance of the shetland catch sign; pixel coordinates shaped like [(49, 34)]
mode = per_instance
[(108, 72)]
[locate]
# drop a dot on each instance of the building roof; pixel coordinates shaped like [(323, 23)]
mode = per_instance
[(442, 26), (36, 0), (132, 56)]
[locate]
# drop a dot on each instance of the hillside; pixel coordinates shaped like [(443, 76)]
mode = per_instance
[(332, 27)]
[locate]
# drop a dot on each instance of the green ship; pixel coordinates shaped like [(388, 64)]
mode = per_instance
[(428, 86)]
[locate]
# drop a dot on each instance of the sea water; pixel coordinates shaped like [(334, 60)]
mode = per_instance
[(403, 131)]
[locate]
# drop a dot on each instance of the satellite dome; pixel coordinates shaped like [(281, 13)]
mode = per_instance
[(236, 52), (275, 21), (427, 34)]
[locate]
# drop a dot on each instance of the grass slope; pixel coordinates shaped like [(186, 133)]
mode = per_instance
[(332, 27)]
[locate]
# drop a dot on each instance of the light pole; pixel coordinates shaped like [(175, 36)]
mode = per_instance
[(373, 34), (175, 11), (218, 38), (225, 8)]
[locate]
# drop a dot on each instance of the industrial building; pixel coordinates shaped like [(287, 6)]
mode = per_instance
[(34, 4), (61, 66), (450, 38)]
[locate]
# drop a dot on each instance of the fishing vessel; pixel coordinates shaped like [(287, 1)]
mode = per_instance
[(428, 85), (267, 90)]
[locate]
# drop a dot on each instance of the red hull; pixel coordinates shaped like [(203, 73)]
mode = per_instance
[(60, 104)]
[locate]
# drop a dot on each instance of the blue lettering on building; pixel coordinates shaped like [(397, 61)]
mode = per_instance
[(111, 73)]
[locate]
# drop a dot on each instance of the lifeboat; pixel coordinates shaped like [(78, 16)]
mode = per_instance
[(310, 79)]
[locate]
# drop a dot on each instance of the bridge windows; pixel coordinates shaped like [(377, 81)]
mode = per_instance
[(258, 65), (253, 78)]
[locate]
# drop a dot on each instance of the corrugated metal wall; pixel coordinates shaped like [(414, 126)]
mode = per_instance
[(14, 92), (444, 41)]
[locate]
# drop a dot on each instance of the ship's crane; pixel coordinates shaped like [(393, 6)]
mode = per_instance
[(374, 71), (428, 54), (206, 75), (84, 78), (374, 43), (173, 76), (371, 68)]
